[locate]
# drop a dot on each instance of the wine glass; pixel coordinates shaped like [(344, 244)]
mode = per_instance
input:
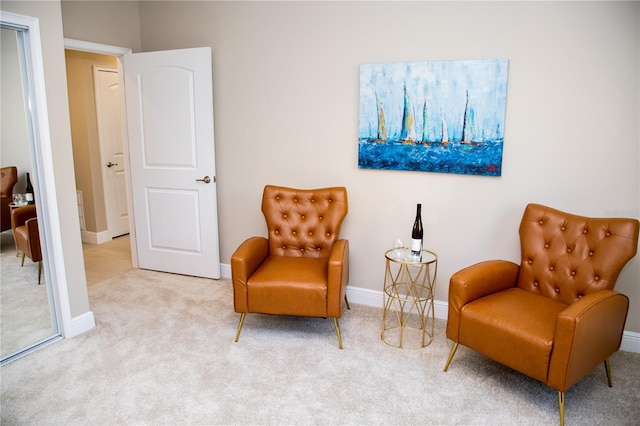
[(397, 248)]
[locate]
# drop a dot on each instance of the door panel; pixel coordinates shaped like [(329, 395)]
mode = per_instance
[(170, 120), (109, 115)]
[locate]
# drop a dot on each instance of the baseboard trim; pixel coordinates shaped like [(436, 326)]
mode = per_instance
[(630, 342), (365, 296), (95, 237), (80, 324)]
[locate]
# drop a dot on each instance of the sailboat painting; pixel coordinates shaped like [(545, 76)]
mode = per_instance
[(438, 116)]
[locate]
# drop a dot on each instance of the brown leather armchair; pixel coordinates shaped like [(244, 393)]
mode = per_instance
[(24, 221), (555, 316), (302, 268), (8, 179)]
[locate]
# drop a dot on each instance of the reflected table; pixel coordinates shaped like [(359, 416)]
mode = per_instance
[(408, 310)]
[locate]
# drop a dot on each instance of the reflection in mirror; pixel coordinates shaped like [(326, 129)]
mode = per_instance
[(26, 308)]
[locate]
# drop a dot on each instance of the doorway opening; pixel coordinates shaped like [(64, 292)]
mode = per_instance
[(95, 111)]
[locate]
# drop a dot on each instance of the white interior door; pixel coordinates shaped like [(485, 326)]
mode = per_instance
[(169, 102), (109, 115)]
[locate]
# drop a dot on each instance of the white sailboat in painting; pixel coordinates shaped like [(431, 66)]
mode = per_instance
[(382, 129), (445, 130)]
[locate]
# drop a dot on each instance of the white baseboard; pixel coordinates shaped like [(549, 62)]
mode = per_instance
[(364, 296), (630, 342), (225, 270), (95, 237), (80, 324)]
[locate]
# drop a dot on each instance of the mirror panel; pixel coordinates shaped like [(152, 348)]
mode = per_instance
[(28, 317)]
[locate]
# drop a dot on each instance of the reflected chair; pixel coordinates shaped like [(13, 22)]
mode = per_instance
[(555, 316), (24, 221), (302, 268), (8, 179)]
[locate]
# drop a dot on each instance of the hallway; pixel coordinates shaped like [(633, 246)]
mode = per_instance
[(106, 260)]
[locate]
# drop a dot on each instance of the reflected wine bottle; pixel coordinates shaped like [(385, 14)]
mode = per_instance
[(29, 191), (416, 234)]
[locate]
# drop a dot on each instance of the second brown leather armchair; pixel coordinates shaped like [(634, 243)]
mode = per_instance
[(302, 268), (24, 222), (555, 316)]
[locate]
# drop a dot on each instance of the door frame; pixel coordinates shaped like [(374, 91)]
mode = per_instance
[(118, 52)]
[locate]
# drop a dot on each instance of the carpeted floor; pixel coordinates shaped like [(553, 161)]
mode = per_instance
[(163, 353), (25, 317)]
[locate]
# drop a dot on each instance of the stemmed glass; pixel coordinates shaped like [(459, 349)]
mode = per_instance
[(19, 199), (398, 248)]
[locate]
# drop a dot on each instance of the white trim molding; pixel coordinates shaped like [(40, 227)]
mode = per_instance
[(81, 324), (87, 46), (367, 297), (95, 237), (630, 342)]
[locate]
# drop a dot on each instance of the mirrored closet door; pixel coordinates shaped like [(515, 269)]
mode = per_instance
[(27, 316)]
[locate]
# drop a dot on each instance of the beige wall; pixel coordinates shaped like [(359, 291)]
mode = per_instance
[(115, 23), (50, 20), (286, 109), (84, 133), (285, 78)]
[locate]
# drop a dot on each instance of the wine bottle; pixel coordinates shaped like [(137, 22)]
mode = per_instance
[(29, 191), (416, 234)]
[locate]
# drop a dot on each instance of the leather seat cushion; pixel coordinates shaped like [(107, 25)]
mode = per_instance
[(514, 327), (289, 286)]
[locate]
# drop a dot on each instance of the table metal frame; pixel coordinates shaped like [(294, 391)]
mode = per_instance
[(408, 302)]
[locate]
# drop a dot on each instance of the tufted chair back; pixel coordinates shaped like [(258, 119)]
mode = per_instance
[(565, 256), (303, 223), (8, 178)]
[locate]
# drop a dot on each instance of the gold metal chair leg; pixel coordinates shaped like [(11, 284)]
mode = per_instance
[(240, 326), (561, 407), (39, 271), (347, 302), (335, 322), (451, 354), (607, 366)]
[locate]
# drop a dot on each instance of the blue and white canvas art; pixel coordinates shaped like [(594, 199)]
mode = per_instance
[(439, 116)]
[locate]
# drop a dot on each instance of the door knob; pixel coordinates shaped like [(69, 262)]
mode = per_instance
[(110, 164), (205, 179)]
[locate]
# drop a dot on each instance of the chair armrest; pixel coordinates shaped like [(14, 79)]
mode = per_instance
[(474, 282), (587, 333), (244, 261), (337, 278), (35, 250)]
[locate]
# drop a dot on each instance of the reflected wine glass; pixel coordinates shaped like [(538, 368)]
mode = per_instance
[(19, 199)]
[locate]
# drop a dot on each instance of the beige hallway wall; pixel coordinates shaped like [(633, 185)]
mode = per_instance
[(84, 133)]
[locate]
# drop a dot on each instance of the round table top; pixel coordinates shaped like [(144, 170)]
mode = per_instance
[(403, 255)]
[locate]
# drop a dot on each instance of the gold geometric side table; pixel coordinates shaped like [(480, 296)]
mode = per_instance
[(408, 313)]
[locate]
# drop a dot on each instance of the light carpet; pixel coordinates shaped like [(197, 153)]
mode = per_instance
[(163, 353), (25, 317)]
